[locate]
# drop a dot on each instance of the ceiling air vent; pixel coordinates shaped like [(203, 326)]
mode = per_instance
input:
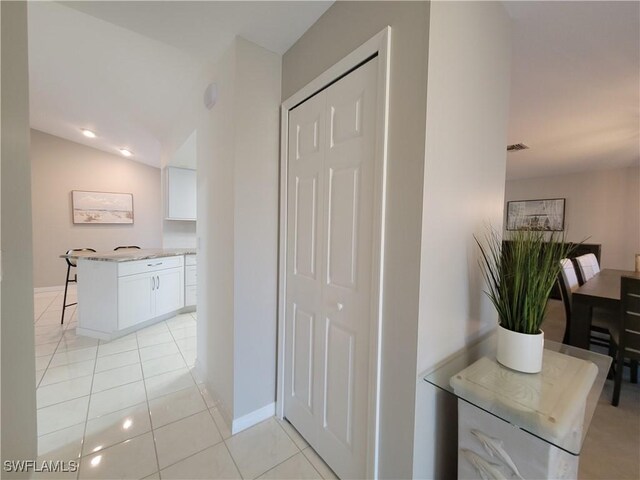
[(516, 146)]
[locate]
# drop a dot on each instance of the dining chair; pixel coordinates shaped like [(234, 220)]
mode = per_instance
[(568, 282), (127, 247), (600, 321), (625, 336), (71, 263), (587, 267)]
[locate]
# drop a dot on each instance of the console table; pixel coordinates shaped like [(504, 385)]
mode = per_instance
[(520, 425)]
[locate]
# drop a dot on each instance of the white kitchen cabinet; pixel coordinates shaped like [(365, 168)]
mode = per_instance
[(136, 298), (181, 194), (190, 281), (144, 296), (169, 291), (190, 275), (117, 297)]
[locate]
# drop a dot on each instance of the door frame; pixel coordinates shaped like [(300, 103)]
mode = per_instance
[(380, 46)]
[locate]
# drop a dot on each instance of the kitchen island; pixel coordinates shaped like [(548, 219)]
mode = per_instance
[(122, 291)]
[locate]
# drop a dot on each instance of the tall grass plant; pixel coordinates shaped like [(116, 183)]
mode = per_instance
[(520, 275)]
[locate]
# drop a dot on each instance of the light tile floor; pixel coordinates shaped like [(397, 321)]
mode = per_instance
[(134, 408)]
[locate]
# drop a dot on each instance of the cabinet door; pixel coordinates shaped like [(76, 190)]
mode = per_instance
[(136, 299), (181, 194), (190, 275), (169, 290), (190, 296)]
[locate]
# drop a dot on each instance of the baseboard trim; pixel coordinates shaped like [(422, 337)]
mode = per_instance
[(56, 288), (244, 422), (253, 418), (109, 336)]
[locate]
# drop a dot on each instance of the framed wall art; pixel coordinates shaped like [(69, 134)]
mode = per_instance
[(102, 207), (545, 215)]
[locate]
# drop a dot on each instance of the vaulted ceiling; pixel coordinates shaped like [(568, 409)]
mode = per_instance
[(123, 69)]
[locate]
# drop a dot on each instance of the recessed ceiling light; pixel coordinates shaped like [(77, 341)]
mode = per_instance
[(88, 133), (125, 152)]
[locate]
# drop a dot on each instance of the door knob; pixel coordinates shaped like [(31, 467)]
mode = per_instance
[(339, 306)]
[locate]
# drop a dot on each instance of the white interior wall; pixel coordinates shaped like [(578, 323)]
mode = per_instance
[(237, 145), (601, 206), (178, 233), (465, 166), (18, 433), (59, 166), (215, 226), (257, 110)]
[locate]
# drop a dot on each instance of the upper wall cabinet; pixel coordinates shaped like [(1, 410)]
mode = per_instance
[(181, 194)]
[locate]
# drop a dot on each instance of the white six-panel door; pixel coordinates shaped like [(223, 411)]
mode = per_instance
[(331, 171)]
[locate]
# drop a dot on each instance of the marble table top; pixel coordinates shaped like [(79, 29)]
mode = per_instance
[(130, 255)]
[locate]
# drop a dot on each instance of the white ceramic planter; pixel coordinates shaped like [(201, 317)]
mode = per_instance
[(520, 351)]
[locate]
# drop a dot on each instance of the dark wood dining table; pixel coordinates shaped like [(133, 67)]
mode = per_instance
[(601, 291)]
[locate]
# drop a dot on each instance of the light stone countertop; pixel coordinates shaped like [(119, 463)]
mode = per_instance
[(130, 255)]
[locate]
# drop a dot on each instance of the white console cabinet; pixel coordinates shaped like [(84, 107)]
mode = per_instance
[(514, 425)]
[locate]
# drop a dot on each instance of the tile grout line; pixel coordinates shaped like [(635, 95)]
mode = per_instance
[(63, 428), (276, 465), (280, 421), (90, 394), (194, 453), (86, 420), (300, 450), (68, 399), (195, 380), (208, 409), (224, 440), (305, 457), (46, 369), (106, 370), (146, 396), (96, 356), (48, 364), (312, 465), (176, 421), (46, 308), (140, 434)]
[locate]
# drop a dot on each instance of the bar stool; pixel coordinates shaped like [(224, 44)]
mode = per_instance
[(71, 262), (127, 247)]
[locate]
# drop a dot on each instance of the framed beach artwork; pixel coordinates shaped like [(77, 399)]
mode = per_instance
[(546, 215), (102, 207)]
